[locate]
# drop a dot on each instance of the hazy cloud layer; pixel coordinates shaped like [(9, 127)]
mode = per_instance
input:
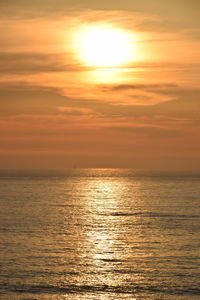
[(57, 110)]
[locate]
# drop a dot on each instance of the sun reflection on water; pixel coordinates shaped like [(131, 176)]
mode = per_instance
[(101, 238)]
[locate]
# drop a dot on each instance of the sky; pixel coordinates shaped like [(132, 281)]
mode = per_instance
[(62, 107)]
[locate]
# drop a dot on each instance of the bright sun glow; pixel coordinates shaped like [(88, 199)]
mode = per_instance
[(103, 46)]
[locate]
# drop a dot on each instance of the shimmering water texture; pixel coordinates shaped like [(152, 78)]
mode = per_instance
[(100, 234)]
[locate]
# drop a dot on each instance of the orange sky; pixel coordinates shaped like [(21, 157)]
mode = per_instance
[(59, 111)]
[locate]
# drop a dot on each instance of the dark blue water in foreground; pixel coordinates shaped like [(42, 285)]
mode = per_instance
[(99, 234)]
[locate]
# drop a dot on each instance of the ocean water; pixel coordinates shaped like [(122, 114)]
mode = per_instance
[(99, 234)]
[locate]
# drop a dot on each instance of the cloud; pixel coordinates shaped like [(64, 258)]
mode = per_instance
[(77, 111), (180, 11), (183, 110), (150, 130), (185, 105), (32, 63), (149, 87), (29, 101)]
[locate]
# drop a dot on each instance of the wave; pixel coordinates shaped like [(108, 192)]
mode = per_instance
[(69, 289)]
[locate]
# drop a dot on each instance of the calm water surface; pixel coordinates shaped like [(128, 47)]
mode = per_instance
[(100, 234)]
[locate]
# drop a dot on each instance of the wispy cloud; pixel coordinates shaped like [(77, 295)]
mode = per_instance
[(77, 111)]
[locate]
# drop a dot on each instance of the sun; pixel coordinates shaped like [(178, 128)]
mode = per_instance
[(104, 46)]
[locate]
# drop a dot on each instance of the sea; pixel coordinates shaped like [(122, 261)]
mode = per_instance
[(99, 234)]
